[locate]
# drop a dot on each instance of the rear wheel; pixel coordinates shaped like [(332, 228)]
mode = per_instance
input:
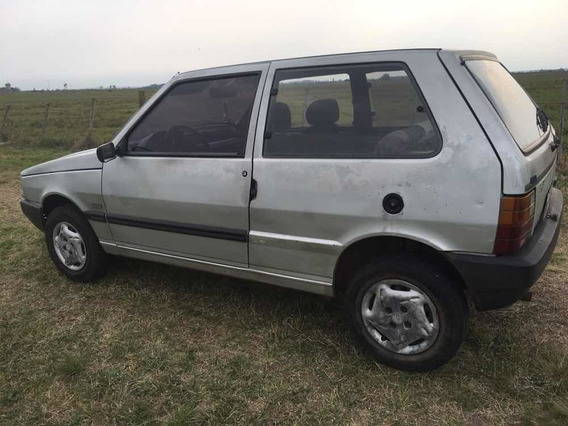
[(73, 245), (407, 312)]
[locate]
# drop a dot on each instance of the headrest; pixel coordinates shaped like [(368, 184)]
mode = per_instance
[(323, 112), (281, 117)]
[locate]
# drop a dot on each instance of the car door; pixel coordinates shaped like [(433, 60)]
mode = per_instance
[(182, 185), (345, 137)]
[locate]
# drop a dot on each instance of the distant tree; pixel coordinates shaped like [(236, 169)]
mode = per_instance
[(64, 86), (9, 89), (152, 86)]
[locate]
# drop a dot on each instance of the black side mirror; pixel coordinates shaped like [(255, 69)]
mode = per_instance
[(106, 152)]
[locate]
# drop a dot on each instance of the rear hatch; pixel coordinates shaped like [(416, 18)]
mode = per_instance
[(526, 122), (529, 151)]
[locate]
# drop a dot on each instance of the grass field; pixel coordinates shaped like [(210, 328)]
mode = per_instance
[(155, 344), (69, 116)]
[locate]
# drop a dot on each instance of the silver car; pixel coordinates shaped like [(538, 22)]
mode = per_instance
[(403, 181)]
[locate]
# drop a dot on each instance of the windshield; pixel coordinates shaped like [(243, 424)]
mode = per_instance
[(514, 106)]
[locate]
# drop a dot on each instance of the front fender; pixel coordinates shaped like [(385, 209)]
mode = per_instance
[(81, 187)]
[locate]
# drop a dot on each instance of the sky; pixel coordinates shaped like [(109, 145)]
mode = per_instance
[(44, 44)]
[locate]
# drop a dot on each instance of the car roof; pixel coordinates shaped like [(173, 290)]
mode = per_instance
[(457, 52), (338, 55)]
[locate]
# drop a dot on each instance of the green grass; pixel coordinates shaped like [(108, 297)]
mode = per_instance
[(151, 343), (69, 116), (546, 89), (156, 344)]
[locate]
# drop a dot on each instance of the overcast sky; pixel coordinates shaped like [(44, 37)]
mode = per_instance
[(137, 42)]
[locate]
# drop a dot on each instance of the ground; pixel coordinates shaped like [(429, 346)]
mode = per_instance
[(156, 344)]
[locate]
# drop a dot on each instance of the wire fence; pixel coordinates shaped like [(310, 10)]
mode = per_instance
[(66, 118)]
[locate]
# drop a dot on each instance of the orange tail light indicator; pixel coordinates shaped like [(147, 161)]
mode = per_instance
[(516, 215)]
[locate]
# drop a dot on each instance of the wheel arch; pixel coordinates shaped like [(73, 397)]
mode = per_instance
[(360, 252), (53, 200)]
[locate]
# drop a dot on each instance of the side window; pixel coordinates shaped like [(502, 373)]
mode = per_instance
[(394, 100), (204, 118), (300, 93), (351, 111)]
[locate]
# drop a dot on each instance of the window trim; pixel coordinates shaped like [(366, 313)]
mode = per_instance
[(403, 67), (123, 144)]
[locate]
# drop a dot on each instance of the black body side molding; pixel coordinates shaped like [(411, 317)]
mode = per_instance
[(168, 226)]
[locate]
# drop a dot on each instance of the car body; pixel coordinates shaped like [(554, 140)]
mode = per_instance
[(314, 167)]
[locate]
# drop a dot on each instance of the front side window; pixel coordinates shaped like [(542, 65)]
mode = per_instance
[(351, 111), (208, 118)]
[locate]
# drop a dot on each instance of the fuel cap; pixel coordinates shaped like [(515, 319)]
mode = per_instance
[(392, 203)]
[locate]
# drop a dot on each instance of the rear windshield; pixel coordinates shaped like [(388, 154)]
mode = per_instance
[(516, 108)]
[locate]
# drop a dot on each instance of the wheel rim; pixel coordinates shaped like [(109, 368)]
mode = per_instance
[(400, 316), (69, 246)]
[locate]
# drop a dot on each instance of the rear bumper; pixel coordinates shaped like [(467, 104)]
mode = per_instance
[(33, 212), (498, 281)]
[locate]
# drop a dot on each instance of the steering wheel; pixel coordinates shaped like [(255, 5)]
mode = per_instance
[(176, 133)]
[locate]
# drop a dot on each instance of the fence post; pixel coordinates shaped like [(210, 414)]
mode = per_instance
[(92, 122), (141, 97), (44, 124), (8, 106)]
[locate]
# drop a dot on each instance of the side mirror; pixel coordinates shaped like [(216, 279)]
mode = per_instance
[(106, 152)]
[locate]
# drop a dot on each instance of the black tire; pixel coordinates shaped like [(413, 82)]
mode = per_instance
[(447, 298), (96, 259)]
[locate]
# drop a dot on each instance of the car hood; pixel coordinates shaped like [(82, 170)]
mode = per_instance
[(83, 160)]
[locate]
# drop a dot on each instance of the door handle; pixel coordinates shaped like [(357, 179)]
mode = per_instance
[(253, 189)]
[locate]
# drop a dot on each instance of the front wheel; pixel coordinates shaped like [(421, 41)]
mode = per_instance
[(407, 312), (73, 245)]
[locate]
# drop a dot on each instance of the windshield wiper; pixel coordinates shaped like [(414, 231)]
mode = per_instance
[(541, 119)]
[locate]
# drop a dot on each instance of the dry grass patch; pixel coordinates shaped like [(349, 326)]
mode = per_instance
[(156, 344)]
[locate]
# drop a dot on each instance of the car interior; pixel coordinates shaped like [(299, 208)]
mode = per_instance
[(323, 137), (201, 119), (224, 138), (320, 135)]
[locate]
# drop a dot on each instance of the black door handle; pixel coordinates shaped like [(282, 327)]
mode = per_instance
[(253, 189)]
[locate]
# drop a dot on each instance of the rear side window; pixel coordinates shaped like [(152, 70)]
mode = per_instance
[(394, 99), (514, 106), (349, 111), (203, 118)]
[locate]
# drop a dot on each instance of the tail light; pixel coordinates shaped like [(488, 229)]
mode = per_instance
[(516, 216)]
